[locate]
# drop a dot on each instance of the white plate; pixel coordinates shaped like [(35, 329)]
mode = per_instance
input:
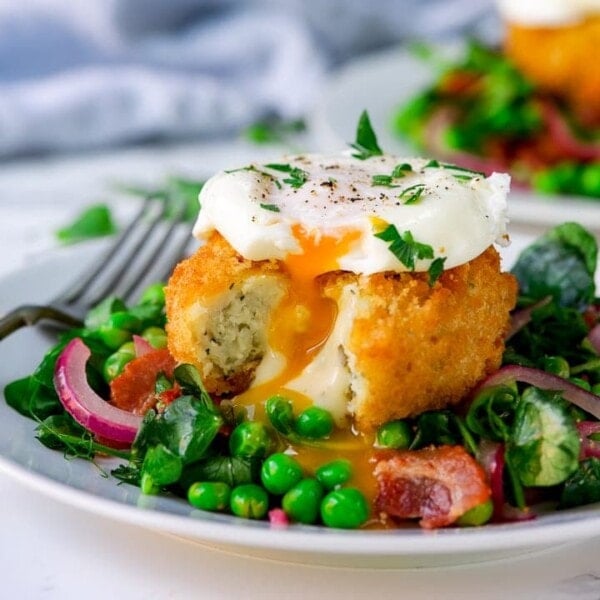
[(81, 484), (382, 82)]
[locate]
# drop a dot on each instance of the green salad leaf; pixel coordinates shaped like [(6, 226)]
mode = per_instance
[(93, 222), (365, 144), (583, 486), (560, 264), (544, 444)]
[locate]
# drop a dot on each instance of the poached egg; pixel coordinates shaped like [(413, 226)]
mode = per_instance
[(318, 214)]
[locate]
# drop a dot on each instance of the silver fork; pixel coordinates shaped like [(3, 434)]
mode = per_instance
[(144, 252)]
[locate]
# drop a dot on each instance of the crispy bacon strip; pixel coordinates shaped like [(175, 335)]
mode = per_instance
[(133, 389), (436, 484)]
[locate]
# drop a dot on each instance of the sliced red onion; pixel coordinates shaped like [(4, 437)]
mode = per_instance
[(563, 137), (520, 318), (594, 337), (141, 346), (491, 457), (82, 402), (435, 128), (546, 381), (589, 447)]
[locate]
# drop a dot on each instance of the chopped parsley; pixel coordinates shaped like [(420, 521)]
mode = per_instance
[(271, 207), (464, 174), (388, 180), (436, 268), (412, 194), (404, 247), (401, 170), (253, 169), (297, 177), (366, 144), (407, 250), (384, 180)]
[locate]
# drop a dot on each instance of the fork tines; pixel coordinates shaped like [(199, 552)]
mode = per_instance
[(145, 252)]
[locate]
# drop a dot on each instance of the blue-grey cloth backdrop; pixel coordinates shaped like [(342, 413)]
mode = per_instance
[(80, 74)]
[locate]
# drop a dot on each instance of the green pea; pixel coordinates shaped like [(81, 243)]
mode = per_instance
[(334, 474), (249, 501), (301, 503), (281, 414), (155, 336), (147, 485), (590, 180), (117, 329), (556, 365), (250, 439), (582, 383), (280, 472), (209, 495), (153, 294), (478, 515), (345, 508), (116, 362), (314, 423), (394, 434)]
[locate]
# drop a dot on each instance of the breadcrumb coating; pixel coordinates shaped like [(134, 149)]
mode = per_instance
[(561, 60), (412, 347)]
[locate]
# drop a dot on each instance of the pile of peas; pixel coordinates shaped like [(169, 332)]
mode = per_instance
[(117, 330), (308, 499)]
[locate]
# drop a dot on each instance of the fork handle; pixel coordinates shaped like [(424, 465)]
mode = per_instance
[(30, 314)]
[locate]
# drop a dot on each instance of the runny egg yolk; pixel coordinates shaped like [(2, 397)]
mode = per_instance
[(304, 318)]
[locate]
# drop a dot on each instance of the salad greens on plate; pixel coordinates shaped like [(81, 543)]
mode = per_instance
[(482, 112), (533, 425)]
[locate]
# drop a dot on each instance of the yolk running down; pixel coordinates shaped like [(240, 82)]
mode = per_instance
[(304, 318)]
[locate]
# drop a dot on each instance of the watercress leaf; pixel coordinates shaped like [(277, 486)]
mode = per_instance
[(543, 445), (149, 315), (127, 473), (560, 264), (553, 331), (188, 377), (187, 428), (365, 144), (95, 221), (580, 239), (102, 311), (32, 400), (492, 411), (231, 470), (161, 465), (436, 427), (583, 486), (61, 432)]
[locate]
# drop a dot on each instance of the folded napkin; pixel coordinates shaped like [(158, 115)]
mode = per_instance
[(92, 73)]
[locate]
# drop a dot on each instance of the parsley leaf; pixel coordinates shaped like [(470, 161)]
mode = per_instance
[(384, 180), (366, 140), (255, 170), (404, 247), (413, 193), (436, 268), (95, 221), (401, 170), (297, 177), (271, 207)]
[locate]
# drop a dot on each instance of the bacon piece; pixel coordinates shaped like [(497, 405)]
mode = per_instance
[(437, 484), (133, 389)]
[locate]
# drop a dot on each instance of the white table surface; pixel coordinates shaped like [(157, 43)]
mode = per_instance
[(51, 550)]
